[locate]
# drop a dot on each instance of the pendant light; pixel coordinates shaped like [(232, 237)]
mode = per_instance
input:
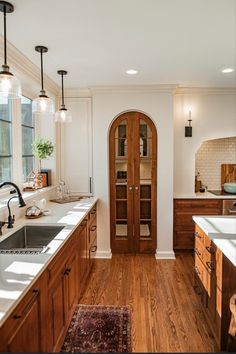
[(9, 84), (42, 105), (63, 115)]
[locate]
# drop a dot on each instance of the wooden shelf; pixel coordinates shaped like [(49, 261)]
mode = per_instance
[(121, 199), (145, 199)]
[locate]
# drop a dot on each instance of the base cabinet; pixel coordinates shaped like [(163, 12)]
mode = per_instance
[(23, 331), (40, 321), (215, 283), (184, 209)]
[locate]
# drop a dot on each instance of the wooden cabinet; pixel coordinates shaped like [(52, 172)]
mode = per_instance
[(22, 331), (133, 180), (215, 283), (63, 292), (184, 209), (40, 321), (76, 140)]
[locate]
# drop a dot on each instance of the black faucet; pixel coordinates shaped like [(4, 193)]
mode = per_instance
[(11, 218), (21, 200)]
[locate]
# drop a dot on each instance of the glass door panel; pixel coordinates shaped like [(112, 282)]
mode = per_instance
[(145, 165), (121, 229)]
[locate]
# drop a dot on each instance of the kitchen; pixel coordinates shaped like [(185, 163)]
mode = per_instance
[(83, 163)]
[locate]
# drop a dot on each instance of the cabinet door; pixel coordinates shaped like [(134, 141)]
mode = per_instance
[(76, 151), (71, 285), (26, 336), (56, 312)]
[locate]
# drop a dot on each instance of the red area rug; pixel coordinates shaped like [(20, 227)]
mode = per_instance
[(96, 329)]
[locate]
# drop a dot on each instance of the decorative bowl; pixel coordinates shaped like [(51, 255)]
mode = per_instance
[(230, 187)]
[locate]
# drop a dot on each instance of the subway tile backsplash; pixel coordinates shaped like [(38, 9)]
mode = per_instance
[(209, 158)]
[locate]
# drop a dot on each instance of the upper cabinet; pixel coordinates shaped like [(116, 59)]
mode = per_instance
[(76, 147)]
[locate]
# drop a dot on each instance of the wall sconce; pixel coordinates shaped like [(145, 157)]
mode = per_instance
[(188, 129)]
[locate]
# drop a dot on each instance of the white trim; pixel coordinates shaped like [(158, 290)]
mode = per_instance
[(206, 90), (165, 255), (134, 89), (103, 254)]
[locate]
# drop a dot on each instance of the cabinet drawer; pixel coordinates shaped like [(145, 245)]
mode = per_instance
[(194, 204), (199, 248), (92, 215), (199, 235), (202, 273)]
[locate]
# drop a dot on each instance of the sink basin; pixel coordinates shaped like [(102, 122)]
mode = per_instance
[(30, 239), (230, 187)]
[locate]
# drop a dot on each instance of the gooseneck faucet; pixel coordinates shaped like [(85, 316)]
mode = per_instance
[(20, 198)]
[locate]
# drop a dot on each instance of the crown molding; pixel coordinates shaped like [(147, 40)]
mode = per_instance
[(134, 89), (25, 67), (75, 93), (206, 90)]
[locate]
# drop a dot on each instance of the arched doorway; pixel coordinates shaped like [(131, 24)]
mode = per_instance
[(133, 183)]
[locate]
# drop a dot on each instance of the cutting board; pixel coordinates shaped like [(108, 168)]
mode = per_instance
[(228, 173)]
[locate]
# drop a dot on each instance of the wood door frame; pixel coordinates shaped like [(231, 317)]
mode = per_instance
[(129, 243)]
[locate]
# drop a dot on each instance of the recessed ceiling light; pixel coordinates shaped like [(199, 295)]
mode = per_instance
[(131, 72), (227, 70)]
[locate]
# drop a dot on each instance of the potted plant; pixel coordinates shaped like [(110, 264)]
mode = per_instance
[(42, 149)]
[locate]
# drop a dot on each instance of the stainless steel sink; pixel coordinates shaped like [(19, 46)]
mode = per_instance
[(30, 239)]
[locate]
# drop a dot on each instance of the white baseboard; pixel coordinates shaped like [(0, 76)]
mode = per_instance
[(165, 255), (103, 254)]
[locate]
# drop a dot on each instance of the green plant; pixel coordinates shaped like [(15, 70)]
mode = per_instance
[(42, 149)]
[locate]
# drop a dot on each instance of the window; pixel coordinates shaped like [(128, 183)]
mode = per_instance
[(5, 140), (28, 134)]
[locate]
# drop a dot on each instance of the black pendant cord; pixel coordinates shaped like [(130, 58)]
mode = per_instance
[(5, 37), (41, 53), (62, 91)]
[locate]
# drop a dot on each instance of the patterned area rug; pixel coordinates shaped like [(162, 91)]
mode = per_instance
[(96, 329)]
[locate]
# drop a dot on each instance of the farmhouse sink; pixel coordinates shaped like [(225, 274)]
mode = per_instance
[(30, 239)]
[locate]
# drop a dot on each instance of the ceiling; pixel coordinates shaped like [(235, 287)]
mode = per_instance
[(185, 42)]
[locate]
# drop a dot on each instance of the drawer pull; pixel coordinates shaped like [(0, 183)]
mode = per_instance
[(93, 228), (197, 290), (210, 249), (210, 265), (93, 211), (27, 307), (196, 234), (67, 271), (93, 249)]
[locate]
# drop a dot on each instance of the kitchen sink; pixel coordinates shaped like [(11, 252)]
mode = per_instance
[(30, 239)]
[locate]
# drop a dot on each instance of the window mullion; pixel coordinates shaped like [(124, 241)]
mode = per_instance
[(17, 142)]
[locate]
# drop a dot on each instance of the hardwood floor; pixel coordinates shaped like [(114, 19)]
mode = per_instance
[(166, 314)]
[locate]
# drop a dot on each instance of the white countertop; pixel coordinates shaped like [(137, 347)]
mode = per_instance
[(18, 271), (222, 231), (205, 195)]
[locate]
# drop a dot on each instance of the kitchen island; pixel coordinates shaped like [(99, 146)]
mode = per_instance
[(215, 270)]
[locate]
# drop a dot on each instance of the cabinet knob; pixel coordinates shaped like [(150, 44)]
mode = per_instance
[(210, 265), (210, 249), (136, 188), (130, 188), (196, 234)]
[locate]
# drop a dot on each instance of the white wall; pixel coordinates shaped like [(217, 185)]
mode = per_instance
[(158, 105), (213, 116)]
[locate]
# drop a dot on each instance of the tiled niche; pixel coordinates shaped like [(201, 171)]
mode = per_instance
[(209, 158)]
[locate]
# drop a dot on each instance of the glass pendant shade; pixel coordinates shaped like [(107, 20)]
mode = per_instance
[(63, 115), (9, 85), (43, 105)]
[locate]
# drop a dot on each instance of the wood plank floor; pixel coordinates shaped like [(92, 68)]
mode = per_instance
[(166, 314)]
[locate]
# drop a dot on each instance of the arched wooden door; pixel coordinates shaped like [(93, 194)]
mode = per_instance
[(133, 184)]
